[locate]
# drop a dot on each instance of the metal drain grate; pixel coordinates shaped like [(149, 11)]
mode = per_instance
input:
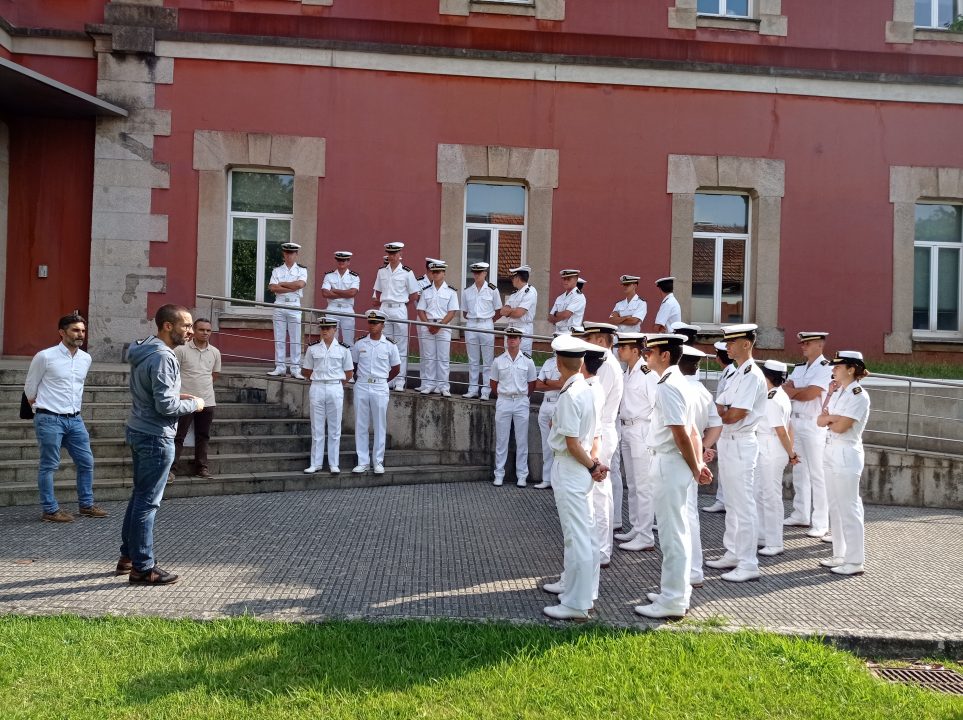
[(931, 677)]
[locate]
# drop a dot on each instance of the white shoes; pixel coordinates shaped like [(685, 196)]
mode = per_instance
[(653, 597), (817, 532), (771, 550), (637, 544), (626, 536), (360, 469), (556, 588), (486, 396), (298, 376), (425, 391), (564, 612), (827, 538), (470, 395), (716, 507), (334, 469), (726, 562), (311, 469), (543, 485), (379, 469), (793, 521), (522, 483), (656, 611), (277, 372), (445, 393), (832, 562), (739, 576), (498, 482), (848, 569)]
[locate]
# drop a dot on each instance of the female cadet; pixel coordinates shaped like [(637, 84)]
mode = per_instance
[(845, 413)]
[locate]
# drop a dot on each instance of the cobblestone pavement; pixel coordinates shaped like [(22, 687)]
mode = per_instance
[(463, 550)]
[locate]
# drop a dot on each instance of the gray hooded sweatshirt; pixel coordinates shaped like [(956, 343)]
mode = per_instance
[(155, 387)]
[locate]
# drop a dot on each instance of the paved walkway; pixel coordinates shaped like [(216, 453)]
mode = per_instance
[(466, 550)]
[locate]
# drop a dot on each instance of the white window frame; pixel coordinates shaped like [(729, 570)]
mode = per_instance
[(262, 218), (935, 15), (724, 6), (719, 238), (498, 227), (931, 333)]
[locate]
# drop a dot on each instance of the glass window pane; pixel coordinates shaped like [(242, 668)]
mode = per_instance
[(703, 279), (478, 248), (737, 8), (948, 290), (243, 259), (258, 192), (721, 213), (924, 13), (495, 204), (921, 289), (939, 223), (509, 256), (708, 7), (944, 13), (733, 309), (276, 232)]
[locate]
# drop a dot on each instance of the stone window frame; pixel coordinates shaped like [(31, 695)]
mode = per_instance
[(536, 168), (538, 9), (767, 18), (216, 153), (907, 186), (764, 180), (902, 28)]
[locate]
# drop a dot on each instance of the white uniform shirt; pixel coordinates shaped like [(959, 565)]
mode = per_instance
[(480, 304), (574, 302), (526, 297), (511, 375), (704, 413), (56, 379), (574, 415), (724, 377), (853, 402), (672, 407), (284, 274), (636, 307), (746, 390), (612, 379), (374, 358), (197, 370), (396, 285), (549, 371), (638, 395), (333, 280), (598, 400), (328, 363), (778, 411), (820, 373), (669, 312), (438, 302)]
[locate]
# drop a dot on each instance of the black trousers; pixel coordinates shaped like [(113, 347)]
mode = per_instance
[(202, 434)]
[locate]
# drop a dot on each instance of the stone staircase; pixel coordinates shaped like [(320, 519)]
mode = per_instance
[(260, 442)]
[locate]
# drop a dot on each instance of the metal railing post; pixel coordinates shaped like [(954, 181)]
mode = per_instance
[(909, 402)]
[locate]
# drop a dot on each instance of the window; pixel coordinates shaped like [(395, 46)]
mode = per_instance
[(495, 230), (725, 8), (259, 220), (936, 13), (720, 254), (936, 268)]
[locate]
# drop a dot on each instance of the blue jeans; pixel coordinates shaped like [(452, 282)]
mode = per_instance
[(54, 432), (153, 456)]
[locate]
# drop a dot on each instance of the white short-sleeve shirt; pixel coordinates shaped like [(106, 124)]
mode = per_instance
[(549, 371), (745, 390), (574, 415), (526, 297), (283, 274), (480, 303), (818, 373), (669, 312), (375, 358), (333, 280), (636, 307), (778, 411), (672, 407), (852, 402), (438, 302), (513, 375), (328, 363), (574, 302), (396, 285)]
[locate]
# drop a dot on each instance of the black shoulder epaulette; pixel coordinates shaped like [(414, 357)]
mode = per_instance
[(747, 370), (389, 339), (645, 369), (348, 347), (527, 288), (528, 355), (423, 277), (352, 272), (824, 362), (328, 272), (301, 266), (857, 390), (772, 394), (796, 365), (664, 377), (314, 343), (405, 267), (363, 336), (578, 291), (493, 286)]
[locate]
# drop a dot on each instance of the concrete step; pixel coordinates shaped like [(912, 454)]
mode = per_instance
[(120, 410), (23, 429), (120, 393), (241, 483)]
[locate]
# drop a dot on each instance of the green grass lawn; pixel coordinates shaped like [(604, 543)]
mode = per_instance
[(67, 667)]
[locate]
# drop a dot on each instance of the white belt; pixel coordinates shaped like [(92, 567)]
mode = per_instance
[(550, 399), (293, 303), (374, 380), (629, 422), (512, 396), (392, 303), (804, 416), (766, 433), (653, 451), (327, 382), (340, 304), (738, 435), (480, 319)]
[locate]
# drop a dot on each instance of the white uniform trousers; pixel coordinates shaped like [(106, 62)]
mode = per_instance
[(602, 501), (809, 502), (327, 408), (767, 485), (287, 325), (481, 354), (672, 478), (572, 487), (844, 466), (370, 408), (345, 331), (638, 483), (615, 475), (737, 466), (397, 332), (435, 360), (545, 412), (509, 411), (423, 371), (696, 574)]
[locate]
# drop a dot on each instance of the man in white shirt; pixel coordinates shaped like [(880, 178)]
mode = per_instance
[(569, 308), (394, 285), (438, 304), (287, 283), (549, 382), (669, 310), (424, 282), (200, 365), (55, 390), (479, 302), (629, 312), (513, 381), (376, 364), (728, 370), (340, 287), (328, 365), (519, 307)]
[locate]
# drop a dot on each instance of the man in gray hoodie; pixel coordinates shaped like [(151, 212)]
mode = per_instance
[(155, 388)]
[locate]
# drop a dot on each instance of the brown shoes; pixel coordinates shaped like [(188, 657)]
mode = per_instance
[(154, 576), (203, 473), (124, 566), (93, 511), (60, 516)]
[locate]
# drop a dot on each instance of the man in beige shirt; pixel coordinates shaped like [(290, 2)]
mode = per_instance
[(200, 365)]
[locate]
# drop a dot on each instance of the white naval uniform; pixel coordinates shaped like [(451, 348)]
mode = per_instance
[(597, 505), (373, 360), (611, 380), (809, 502), (333, 280), (636, 307), (770, 466), (844, 462), (669, 312), (672, 477), (328, 366), (705, 416), (287, 316), (738, 452), (423, 283), (512, 406), (526, 297), (635, 415), (724, 377), (548, 371), (572, 486), (480, 305), (436, 302), (396, 287), (574, 302)]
